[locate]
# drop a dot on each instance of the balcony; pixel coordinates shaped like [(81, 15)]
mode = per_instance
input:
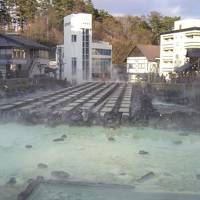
[(167, 43), (167, 56), (167, 40), (167, 53), (192, 43)]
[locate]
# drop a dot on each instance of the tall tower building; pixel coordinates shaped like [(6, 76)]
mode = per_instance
[(77, 47)]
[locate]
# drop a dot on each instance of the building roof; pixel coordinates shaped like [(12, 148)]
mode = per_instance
[(193, 53), (181, 30), (7, 40), (183, 68), (151, 52)]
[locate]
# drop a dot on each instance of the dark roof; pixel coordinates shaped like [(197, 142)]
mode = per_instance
[(7, 40), (151, 52), (181, 30), (8, 43), (183, 68), (193, 53)]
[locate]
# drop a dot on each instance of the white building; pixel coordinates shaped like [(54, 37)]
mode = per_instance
[(101, 60), (80, 53), (141, 61), (174, 45), (77, 47)]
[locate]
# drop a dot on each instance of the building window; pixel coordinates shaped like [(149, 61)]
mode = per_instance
[(105, 52), (19, 54), (74, 38), (101, 65), (86, 53), (43, 54), (130, 66), (5, 53), (74, 66)]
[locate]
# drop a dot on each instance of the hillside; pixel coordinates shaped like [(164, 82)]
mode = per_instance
[(43, 21)]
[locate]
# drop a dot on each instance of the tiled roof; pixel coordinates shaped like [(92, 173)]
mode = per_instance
[(181, 30), (8, 43), (19, 41), (151, 52)]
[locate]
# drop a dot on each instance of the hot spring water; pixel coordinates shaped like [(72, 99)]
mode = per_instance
[(87, 154)]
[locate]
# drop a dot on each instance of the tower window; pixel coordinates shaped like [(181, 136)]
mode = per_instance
[(74, 65), (74, 38)]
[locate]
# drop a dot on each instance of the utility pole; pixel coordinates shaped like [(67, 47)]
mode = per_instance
[(47, 19)]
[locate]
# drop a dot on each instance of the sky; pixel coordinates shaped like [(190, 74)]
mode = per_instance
[(183, 8)]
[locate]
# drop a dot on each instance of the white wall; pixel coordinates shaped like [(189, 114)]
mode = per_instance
[(140, 65), (74, 25), (187, 23)]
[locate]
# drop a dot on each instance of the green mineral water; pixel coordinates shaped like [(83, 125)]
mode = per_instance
[(97, 154)]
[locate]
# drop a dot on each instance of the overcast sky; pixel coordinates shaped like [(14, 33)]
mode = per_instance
[(183, 8)]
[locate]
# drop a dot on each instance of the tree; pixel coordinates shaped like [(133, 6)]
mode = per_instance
[(168, 22), (160, 24), (25, 11), (89, 7), (155, 21), (4, 14)]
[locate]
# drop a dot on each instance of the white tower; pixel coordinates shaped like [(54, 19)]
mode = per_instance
[(77, 47)]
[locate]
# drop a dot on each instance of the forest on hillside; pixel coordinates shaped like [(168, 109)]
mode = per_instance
[(42, 20)]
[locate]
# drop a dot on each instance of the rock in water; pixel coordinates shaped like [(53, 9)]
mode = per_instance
[(60, 174), (143, 152), (29, 146), (184, 134), (64, 136), (40, 178), (178, 142), (30, 180), (59, 140), (111, 139), (198, 176), (122, 174), (42, 166), (12, 181), (167, 174), (146, 177)]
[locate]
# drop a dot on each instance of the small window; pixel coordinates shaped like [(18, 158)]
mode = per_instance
[(130, 66), (74, 38)]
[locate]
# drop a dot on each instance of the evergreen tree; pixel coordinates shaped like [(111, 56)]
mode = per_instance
[(89, 7), (4, 14), (160, 24)]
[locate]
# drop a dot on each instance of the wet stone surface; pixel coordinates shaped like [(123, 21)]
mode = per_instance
[(12, 181), (60, 174), (42, 166), (59, 140), (142, 152), (28, 146), (146, 177)]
